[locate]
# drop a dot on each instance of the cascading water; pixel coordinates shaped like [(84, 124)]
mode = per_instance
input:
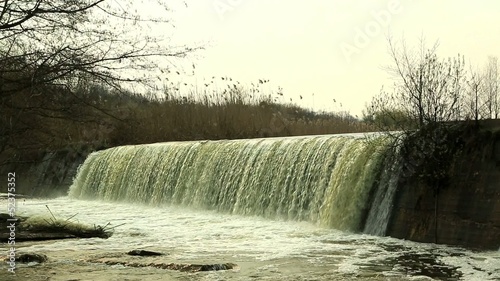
[(379, 214), (331, 180)]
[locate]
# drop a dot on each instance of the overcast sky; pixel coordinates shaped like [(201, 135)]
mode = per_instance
[(335, 49)]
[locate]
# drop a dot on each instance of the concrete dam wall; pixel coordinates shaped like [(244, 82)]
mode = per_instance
[(314, 184), (466, 213)]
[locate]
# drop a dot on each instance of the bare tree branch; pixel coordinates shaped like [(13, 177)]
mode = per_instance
[(48, 49)]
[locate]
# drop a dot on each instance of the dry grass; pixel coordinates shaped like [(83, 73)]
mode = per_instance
[(97, 117), (226, 114), (40, 224), (46, 225)]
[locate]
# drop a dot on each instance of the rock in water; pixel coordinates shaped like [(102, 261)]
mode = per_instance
[(31, 257), (215, 267), (144, 253)]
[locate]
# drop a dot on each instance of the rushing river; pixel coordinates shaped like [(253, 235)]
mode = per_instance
[(263, 249)]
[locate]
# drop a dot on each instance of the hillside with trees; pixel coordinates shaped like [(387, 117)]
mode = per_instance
[(68, 78)]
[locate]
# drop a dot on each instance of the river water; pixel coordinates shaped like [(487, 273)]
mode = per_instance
[(263, 249)]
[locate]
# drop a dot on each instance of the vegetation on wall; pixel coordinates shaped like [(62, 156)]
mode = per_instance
[(433, 103), (435, 106)]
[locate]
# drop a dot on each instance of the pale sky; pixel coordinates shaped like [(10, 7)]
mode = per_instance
[(335, 49)]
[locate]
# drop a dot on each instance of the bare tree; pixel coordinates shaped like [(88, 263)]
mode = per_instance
[(429, 95), (491, 84), (61, 41), (50, 47), (474, 101), (428, 89)]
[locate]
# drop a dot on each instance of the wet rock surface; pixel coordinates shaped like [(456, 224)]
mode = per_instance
[(173, 266), (31, 257), (27, 258), (144, 253), (144, 258)]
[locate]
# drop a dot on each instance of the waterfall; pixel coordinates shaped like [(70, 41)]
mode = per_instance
[(331, 180), (379, 214)]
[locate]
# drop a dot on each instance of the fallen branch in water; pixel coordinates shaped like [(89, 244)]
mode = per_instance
[(42, 228)]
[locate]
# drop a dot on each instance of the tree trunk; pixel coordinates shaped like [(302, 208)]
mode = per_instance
[(436, 198)]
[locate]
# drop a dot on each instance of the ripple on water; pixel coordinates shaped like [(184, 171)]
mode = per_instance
[(264, 249)]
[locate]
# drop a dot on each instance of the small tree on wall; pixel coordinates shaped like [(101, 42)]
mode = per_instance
[(429, 98), (427, 89)]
